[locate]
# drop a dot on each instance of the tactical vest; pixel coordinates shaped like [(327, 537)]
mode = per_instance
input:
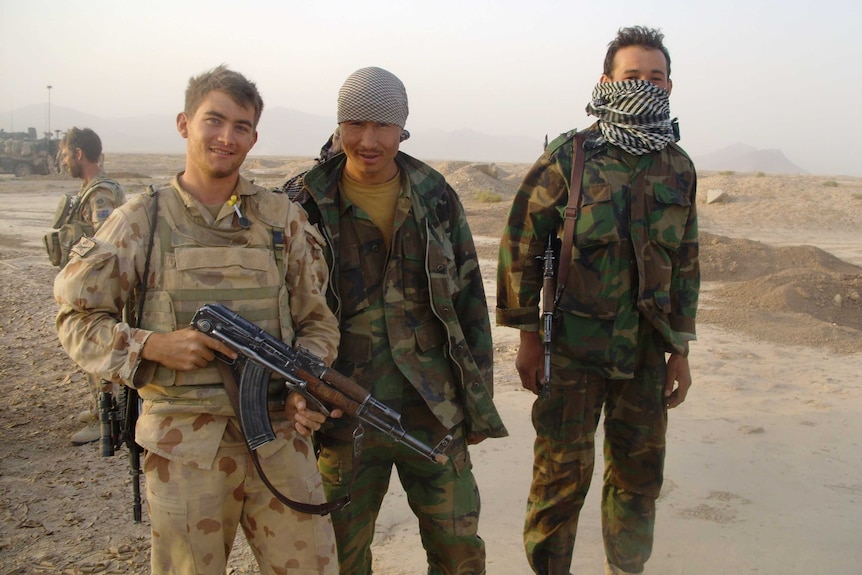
[(240, 268), (68, 224)]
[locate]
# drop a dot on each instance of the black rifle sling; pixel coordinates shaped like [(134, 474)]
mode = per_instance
[(230, 378), (132, 393), (571, 213)]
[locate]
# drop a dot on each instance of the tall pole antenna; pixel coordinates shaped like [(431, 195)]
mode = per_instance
[(49, 110)]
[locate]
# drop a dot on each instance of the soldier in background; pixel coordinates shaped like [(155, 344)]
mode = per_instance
[(293, 186), (415, 330), (625, 318), (83, 215), (216, 237)]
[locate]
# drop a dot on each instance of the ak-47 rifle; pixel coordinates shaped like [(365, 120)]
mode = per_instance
[(549, 288), (111, 414), (260, 353)]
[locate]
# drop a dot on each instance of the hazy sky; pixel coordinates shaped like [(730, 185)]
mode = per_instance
[(767, 73)]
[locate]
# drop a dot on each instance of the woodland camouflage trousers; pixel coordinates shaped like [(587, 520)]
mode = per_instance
[(635, 425), (445, 499)]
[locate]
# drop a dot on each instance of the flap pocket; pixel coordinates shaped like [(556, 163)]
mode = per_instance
[(671, 196), (354, 348), (209, 258), (597, 193), (52, 245), (430, 334)]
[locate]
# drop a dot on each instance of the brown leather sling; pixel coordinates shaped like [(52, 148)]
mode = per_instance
[(572, 210), (230, 377)]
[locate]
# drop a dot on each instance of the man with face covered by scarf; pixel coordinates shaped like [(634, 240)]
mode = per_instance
[(624, 310)]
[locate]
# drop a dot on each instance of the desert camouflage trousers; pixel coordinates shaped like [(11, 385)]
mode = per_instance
[(445, 498), (635, 425), (195, 513)]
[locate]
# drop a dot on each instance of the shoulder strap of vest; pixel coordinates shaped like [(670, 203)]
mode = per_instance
[(92, 187), (278, 249), (274, 217), (559, 141)]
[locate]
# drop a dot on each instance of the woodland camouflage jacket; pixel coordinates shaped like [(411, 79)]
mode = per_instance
[(635, 255), (434, 312)]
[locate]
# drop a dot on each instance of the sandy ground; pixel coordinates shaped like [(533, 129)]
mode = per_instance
[(764, 460)]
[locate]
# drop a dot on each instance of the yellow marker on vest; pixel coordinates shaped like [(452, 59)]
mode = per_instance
[(243, 221)]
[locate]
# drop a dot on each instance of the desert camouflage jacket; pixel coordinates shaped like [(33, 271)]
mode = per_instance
[(429, 309), (273, 272), (635, 255)]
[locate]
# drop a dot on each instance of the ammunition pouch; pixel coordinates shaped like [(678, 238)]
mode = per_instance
[(68, 229), (52, 246)]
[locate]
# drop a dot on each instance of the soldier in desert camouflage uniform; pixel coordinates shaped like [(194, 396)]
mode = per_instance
[(414, 326), (630, 298), (260, 257), (80, 152)]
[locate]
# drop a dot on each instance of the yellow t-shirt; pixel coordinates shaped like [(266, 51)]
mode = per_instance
[(376, 200)]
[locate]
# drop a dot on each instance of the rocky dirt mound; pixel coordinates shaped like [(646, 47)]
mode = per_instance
[(732, 259), (472, 179), (765, 291)]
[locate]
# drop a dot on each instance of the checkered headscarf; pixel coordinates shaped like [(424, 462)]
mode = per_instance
[(634, 115), (373, 95)]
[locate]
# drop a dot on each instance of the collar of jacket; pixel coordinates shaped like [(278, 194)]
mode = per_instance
[(427, 184)]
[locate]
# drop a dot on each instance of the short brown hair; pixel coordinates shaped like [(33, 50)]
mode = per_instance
[(650, 38), (84, 139), (241, 90)]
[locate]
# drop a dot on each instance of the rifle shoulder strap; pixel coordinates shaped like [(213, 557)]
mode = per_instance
[(230, 378), (133, 318), (571, 212)]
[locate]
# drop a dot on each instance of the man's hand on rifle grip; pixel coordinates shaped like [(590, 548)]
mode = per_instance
[(184, 349)]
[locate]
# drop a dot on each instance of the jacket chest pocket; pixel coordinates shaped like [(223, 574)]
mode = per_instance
[(668, 216), (360, 274), (597, 221), (414, 279)]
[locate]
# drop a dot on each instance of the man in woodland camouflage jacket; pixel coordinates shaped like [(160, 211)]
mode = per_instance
[(414, 325), (623, 324)]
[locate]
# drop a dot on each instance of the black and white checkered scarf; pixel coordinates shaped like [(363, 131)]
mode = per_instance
[(634, 115)]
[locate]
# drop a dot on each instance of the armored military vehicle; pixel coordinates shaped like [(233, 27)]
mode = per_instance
[(24, 153)]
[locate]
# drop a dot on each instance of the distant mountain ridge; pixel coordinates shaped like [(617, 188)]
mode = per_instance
[(289, 132), (745, 158)]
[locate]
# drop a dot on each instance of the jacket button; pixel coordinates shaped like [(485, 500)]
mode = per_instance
[(441, 267)]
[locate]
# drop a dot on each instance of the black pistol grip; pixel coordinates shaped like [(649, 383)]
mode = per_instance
[(253, 410)]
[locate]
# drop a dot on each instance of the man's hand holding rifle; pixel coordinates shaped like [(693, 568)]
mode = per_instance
[(258, 354)]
